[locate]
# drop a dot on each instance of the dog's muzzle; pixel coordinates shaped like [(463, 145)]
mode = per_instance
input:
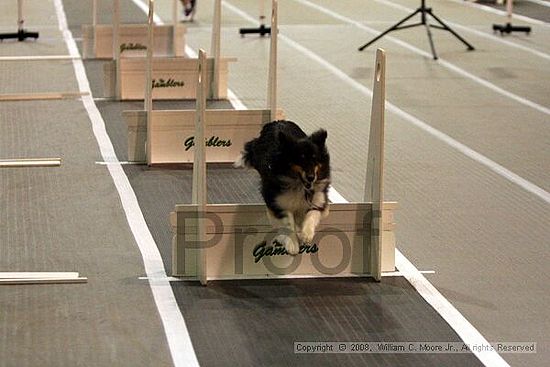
[(308, 181)]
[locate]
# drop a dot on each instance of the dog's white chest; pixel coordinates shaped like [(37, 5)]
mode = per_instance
[(293, 200)]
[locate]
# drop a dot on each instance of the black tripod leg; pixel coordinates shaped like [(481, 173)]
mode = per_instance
[(470, 47), (427, 25), (393, 28)]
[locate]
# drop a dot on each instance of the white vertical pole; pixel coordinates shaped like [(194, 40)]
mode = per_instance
[(215, 49), (94, 13), (174, 24), (94, 25), (148, 101), (199, 165), (20, 19), (509, 10), (272, 80), (262, 12), (175, 12), (374, 182), (116, 45)]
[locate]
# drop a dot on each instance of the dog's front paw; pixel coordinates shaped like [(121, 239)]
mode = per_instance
[(307, 233), (291, 244)]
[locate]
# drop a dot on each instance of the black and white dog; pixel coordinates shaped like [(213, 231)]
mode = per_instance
[(295, 175)]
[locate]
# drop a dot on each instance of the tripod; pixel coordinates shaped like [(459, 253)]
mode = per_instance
[(424, 11), (21, 34)]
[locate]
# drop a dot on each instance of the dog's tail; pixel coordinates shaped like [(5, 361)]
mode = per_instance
[(244, 159)]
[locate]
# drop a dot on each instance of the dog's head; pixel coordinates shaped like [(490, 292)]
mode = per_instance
[(307, 157)]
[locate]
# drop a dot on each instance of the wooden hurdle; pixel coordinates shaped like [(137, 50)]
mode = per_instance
[(168, 136), (172, 78), (98, 40), (235, 241)]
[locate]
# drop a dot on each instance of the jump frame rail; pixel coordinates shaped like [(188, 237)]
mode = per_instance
[(173, 78), (99, 41), (236, 241), (169, 136)]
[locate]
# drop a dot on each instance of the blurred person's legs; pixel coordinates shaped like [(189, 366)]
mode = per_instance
[(189, 8)]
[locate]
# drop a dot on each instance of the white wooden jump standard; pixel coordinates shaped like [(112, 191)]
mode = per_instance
[(220, 241), (98, 39), (173, 77), (375, 162), (272, 84), (167, 136)]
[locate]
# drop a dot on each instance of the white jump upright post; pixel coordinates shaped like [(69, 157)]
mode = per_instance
[(216, 48), (175, 23), (94, 24), (374, 182), (272, 79), (116, 46), (199, 167), (148, 100)]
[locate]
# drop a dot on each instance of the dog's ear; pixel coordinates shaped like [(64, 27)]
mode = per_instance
[(319, 137)]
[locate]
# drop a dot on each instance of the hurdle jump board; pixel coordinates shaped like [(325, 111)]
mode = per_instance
[(239, 243), (132, 40), (172, 134), (172, 78)]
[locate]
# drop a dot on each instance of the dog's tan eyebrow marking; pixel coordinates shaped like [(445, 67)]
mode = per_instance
[(296, 168)]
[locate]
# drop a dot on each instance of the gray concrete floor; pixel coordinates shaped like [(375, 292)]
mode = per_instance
[(485, 236)]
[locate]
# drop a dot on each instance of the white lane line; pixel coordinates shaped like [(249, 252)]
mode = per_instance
[(465, 330), (492, 37), (177, 335), (493, 166), (503, 13), (442, 62)]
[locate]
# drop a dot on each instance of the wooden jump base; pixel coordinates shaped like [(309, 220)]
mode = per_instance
[(162, 136), (37, 162), (97, 39), (237, 242), (171, 77), (168, 41)]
